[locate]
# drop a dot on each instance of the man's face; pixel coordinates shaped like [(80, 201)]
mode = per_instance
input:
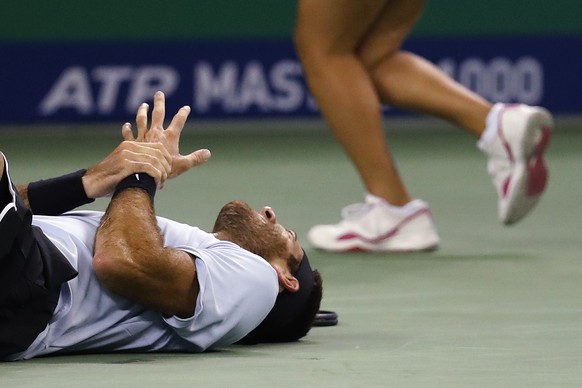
[(259, 232)]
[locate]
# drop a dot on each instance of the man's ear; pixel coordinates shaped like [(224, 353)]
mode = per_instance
[(286, 280)]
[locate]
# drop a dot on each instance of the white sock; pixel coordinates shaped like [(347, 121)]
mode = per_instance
[(399, 210), (490, 126)]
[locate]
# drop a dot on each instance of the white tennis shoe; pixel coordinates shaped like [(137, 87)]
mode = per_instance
[(514, 141), (378, 226)]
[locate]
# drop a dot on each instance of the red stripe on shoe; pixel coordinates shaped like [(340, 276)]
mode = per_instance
[(537, 170), (389, 234)]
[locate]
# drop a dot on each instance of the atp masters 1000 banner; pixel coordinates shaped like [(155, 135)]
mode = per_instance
[(82, 61), (106, 81)]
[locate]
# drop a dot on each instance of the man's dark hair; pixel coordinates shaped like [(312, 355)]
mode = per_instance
[(293, 314)]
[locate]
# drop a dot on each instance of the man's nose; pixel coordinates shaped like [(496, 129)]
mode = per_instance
[(269, 214)]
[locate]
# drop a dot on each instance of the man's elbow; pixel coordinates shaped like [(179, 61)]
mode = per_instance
[(106, 268)]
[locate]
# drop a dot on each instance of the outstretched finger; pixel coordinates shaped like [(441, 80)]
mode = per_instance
[(127, 132), (141, 119), (179, 120), (199, 157), (185, 163), (172, 134), (159, 111)]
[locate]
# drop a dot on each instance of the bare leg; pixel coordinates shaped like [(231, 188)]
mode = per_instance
[(351, 54), (408, 81), (327, 35)]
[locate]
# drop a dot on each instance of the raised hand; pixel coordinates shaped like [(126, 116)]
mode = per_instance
[(128, 158), (169, 137)]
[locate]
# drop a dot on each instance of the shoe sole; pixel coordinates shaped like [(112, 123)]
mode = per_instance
[(523, 189)]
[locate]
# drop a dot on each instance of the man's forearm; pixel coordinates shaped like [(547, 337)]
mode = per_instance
[(131, 260), (126, 238)]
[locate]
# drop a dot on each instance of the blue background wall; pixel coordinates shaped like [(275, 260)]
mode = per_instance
[(92, 62)]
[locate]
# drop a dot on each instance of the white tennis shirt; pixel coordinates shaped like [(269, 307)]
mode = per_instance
[(237, 291)]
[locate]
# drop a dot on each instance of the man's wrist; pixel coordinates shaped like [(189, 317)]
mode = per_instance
[(139, 180), (58, 195)]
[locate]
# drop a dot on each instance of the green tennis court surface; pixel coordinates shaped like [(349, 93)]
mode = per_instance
[(495, 306)]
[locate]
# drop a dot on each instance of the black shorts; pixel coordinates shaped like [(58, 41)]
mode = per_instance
[(32, 271)]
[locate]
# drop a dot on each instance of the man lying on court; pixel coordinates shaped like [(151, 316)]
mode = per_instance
[(126, 280)]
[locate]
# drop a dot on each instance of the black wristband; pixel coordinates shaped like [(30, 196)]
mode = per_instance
[(140, 180), (55, 196)]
